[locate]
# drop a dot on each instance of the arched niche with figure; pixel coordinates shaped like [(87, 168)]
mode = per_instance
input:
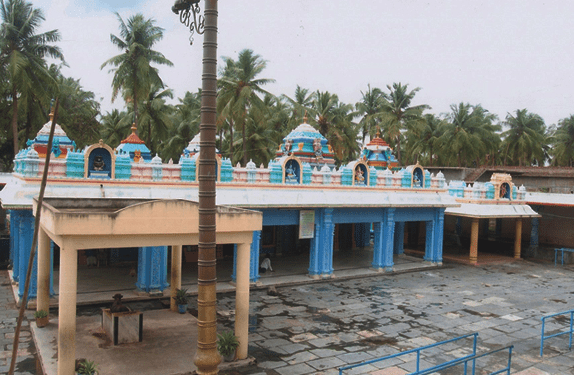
[(292, 170), (99, 161), (503, 185), (360, 173), (418, 177)]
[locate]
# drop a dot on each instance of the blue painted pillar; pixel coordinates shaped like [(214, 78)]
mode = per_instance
[(384, 241), (399, 242), (321, 253), (152, 269), (429, 242), (26, 235), (253, 260), (15, 216), (534, 232), (438, 235)]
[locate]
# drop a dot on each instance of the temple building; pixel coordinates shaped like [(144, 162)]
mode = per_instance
[(304, 204)]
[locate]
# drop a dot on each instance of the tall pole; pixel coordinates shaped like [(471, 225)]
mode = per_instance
[(207, 358)]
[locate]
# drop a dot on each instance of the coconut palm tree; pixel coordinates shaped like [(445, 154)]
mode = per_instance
[(398, 115), (469, 135), (563, 142), (154, 117), (524, 142), (78, 109), (186, 121), (134, 74), (334, 120), (239, 90), (115, 126), (22, 54), (423, 144), (370, 108)]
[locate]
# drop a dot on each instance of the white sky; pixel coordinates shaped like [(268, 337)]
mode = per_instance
[(504, 55)]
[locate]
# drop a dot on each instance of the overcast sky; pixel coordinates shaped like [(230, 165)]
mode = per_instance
[(505, 55)]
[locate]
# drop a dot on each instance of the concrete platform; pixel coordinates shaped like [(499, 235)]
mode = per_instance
[(168, 346)]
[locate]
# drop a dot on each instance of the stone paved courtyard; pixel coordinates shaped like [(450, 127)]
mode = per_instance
[(316, 328)]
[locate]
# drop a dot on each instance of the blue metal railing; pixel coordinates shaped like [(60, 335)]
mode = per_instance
[(473, 358), (418, 351), (569, 332)]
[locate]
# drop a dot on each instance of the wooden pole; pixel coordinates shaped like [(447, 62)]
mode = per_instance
[(24, 300)]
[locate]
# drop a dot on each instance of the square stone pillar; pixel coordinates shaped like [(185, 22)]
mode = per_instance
[(44, 268), (67, 311), (474, 242), (518, 239), (242, 299)]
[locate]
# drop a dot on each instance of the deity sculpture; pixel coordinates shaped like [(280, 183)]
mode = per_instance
[(99, 163), (56, 148), (290, 176), (138, 156), (359, 178), (317, 148), (288, 146)]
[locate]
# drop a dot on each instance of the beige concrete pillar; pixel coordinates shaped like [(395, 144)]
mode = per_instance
[(518, 239), (67, 311), (242, 299), (43, 296), (175, 274), (474, 242)]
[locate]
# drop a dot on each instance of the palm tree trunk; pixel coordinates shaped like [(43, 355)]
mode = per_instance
[(399, 150), (244, 145), (15, 121), (431, 155), (231, 142)]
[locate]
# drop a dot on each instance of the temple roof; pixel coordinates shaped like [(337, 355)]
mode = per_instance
[(133, 138), (377, 144)]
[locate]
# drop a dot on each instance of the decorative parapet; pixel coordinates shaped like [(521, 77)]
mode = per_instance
[(75, 164), (187, 166), (346, 176), (141, 170), (372, 176), (307, 173), (56, 169), (262, 175), (275, 173), (156, 168), (30, 163), (239, 174), (251, 172), (226, 174), (171, 172), (326, 173), (406, 180)]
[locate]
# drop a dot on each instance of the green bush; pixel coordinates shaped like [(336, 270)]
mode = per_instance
[(227, 343), (40, 314), (181, 297)]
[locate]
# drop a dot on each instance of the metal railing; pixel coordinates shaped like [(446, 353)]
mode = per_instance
[(465, 361), (569, 332), (418, 351)]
